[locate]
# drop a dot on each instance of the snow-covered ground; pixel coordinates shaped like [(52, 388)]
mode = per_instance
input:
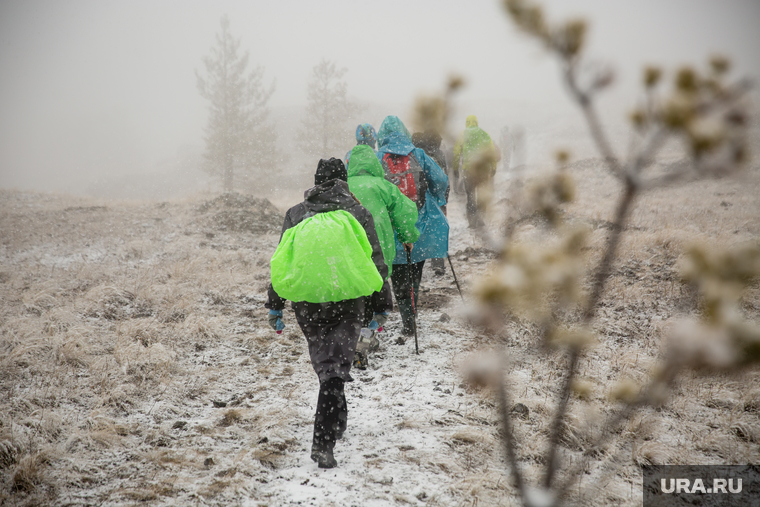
[(137, 366)]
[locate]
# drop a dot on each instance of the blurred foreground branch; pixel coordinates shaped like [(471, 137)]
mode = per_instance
[(546, 280)]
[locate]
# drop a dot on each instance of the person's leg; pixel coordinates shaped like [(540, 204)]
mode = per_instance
[(416, 279), (342, 416), (439, 268), (400, 278), (331, 330), (472, 204), (382, 300), (379, 302), (369, 310), (327, 421)]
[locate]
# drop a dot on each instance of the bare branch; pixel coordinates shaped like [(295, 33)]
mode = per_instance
[(595, 126), (605, 265), (650, 396), (508, 438), (646, 154), (559, 417)]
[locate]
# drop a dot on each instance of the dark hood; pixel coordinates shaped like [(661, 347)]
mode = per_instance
[(329, 196), (428, 141)]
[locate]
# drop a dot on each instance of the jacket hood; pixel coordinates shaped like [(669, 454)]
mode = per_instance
[(330, 169), (364, 161), (471, 121), (365, 134), (329, 196), (396, 143), (390, 125)]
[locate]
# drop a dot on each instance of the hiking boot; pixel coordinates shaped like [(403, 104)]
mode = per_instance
[(360, 360), (439, 268), (364, 347), (323, 457), (374, 343)]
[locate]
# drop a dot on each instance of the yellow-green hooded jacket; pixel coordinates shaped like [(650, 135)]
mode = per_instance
[(471, 144)]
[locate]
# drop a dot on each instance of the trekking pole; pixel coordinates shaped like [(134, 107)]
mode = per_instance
[(455, 276), (414, 307)]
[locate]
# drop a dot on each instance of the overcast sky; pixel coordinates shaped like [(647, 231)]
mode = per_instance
[(96, 86)]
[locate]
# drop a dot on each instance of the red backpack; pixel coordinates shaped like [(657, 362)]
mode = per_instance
[(406, 173)]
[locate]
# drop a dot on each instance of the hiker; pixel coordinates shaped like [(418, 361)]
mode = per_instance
[(424, 182), (430, 142), (328, 259), (473, 144), (392, 211), (365, 136)]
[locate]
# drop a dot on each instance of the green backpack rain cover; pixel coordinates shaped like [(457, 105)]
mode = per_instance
[(326, 257)]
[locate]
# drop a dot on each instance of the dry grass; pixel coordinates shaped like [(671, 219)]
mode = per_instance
[(121, 322), (106, 308)]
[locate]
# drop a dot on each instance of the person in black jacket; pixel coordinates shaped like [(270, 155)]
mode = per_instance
[(331, 328)]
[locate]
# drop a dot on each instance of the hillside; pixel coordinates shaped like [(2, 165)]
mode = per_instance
[(137, 367)]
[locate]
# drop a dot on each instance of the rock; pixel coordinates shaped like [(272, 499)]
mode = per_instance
[(520, 410), (444, 318)]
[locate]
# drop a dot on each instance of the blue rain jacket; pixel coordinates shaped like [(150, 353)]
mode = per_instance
[(431, 222)]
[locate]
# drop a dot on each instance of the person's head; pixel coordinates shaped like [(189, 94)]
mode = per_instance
[(428, 140), (330, 170), (365, 134), (471, 121), (392, 124)]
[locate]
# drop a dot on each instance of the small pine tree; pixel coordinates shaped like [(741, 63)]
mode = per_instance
[(239, 140), (325, 131)]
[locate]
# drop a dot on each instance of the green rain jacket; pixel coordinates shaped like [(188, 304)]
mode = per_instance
[(390, 209), (474, 140)]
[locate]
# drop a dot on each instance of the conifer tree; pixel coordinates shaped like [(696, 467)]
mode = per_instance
[(326, 130), (240, 142)]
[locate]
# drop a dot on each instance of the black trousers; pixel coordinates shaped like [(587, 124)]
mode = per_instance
[(332, 414), (401, 276), (331, 330), (379, 302)]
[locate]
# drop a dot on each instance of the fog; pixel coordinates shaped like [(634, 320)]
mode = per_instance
[(99, 97)]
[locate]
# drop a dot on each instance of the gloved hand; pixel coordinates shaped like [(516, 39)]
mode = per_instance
[(378, 321), (275, 320)]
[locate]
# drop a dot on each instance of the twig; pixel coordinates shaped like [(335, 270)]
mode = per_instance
[(647, 398), (605, 265), (559, 417), (594, 124), (598, 284), (509, 444), (647, 153)]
